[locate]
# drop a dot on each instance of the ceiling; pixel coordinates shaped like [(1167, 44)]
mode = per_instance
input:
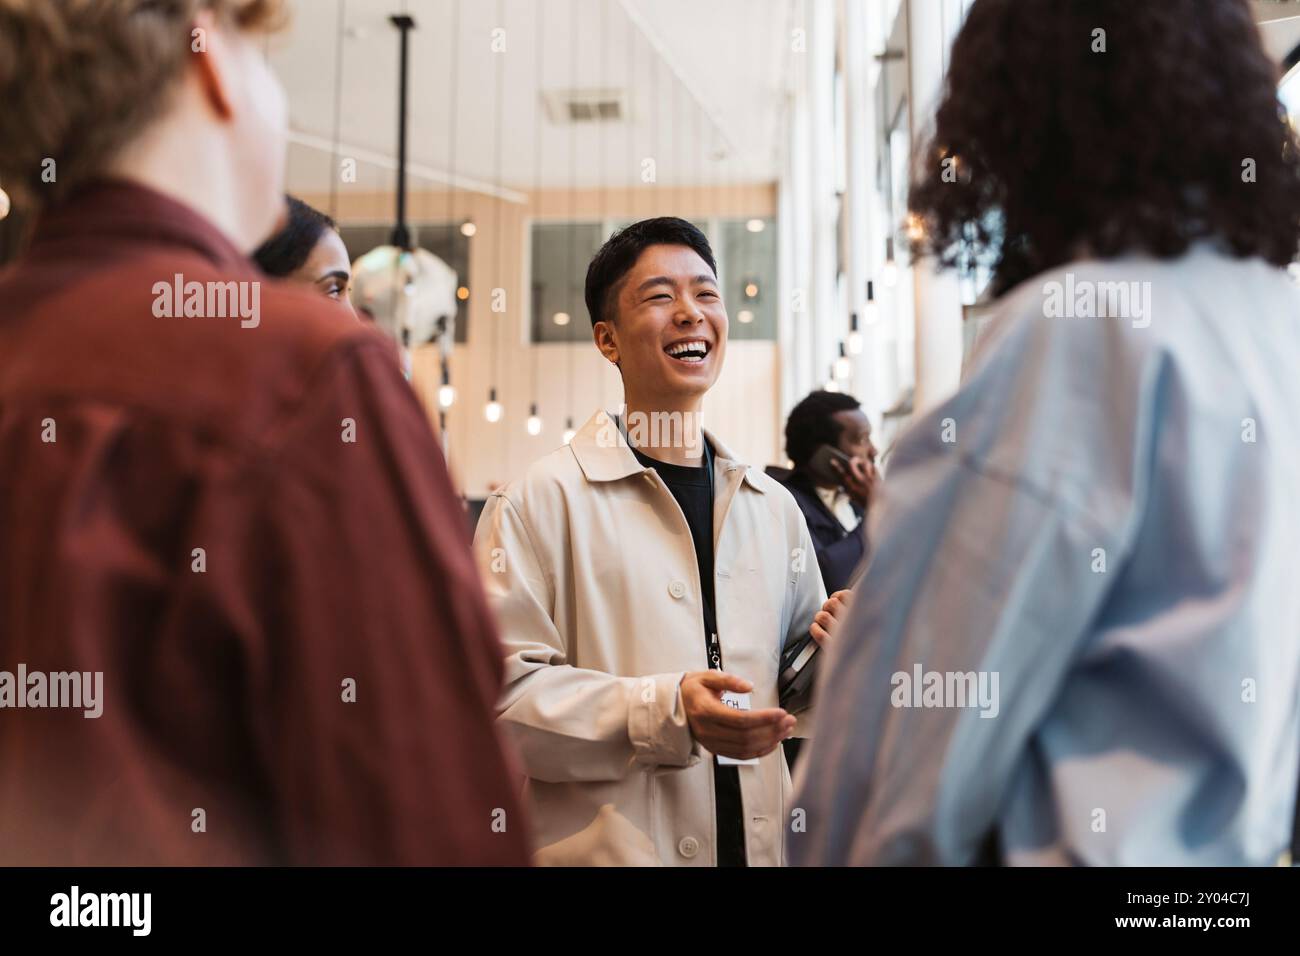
[(703, 84), (1279, 24)]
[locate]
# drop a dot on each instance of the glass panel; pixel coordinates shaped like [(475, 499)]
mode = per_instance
[(560, 254), (747, 269)]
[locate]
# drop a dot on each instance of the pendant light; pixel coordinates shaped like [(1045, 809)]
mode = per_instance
[(493, 410), (889, 273), (534, 423)]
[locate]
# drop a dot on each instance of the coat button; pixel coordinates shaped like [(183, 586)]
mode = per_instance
[(677, 589), (688, 847)]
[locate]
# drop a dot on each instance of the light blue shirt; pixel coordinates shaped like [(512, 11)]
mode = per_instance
[(1100, 531)]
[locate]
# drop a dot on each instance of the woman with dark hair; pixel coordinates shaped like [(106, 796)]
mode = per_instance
[(308, 249), (1078, 637)]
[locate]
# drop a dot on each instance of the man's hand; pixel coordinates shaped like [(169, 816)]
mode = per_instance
[(833, 612), (861, 480), (723, 730)]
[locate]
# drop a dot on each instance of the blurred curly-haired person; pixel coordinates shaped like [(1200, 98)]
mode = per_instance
[(238, 533), (1078, 639)]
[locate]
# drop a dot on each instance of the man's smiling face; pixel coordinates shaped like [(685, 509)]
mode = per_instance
[(669, 336)]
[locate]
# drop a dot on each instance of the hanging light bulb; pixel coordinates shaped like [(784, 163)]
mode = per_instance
[(751, 290), (560, 318), (568, 430), (889, 273), (870, 310), (915, 227), (744, 315), (843, 367), (4, 204), (755, 225), (467, 228), (534, 421), (492, 411), (446, 394), (855, 337)]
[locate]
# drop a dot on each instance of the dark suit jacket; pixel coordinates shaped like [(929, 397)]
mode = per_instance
[(838, 551)]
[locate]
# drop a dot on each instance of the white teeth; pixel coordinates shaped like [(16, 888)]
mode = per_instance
[(699, 345)]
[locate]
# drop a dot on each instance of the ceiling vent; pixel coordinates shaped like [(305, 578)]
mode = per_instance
[(586, 106)]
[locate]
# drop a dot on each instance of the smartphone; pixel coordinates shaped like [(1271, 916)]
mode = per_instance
[(794, 683), (820, 467)]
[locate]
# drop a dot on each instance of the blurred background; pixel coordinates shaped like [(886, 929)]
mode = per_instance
[(783, 128)]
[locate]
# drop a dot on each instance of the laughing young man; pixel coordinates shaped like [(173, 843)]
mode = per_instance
[(641, 572)]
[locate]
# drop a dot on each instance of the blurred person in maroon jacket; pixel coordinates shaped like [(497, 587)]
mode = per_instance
[(222, 513)]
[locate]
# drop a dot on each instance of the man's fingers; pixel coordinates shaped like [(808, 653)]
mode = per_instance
[(722, 716), (720, 680), (743, 746), (819, 633)]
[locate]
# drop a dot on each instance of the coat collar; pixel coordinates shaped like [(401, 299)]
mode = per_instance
[(603, 453), (121, 210)]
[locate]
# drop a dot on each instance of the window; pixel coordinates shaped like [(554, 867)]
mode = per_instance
[(444, 241), (747, 269), (560, 253)]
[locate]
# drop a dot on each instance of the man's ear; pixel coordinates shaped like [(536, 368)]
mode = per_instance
[(603, 335), (211, 57)]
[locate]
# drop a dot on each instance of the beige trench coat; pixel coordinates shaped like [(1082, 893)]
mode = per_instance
[(589, 565)]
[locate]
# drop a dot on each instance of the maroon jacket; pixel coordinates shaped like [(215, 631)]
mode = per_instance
[(324, 561)]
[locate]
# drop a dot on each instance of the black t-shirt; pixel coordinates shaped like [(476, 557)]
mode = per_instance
[(694, 493)]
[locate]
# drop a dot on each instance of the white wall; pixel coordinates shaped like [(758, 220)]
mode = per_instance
[(916, 340)]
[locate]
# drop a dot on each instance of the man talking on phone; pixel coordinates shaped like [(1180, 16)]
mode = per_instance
[(834, 479), (646, 584)]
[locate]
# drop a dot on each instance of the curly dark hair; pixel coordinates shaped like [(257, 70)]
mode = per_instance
[(810, 424), (1046, 149)]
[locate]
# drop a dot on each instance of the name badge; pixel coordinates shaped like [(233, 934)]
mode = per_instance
[(739, 702)]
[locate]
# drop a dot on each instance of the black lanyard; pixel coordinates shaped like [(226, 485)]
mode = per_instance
[(714, 648)]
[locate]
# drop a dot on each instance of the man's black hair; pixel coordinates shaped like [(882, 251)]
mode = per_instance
[(285, 252), (810, 424), (621, 251)]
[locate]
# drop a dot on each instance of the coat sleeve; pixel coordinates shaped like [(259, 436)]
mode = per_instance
[(840, 558), (569, 723)]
